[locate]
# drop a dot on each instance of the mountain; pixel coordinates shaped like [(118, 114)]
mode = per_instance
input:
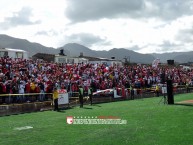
[(184, 57), (32, 48), (74, 49), (180, 57), (121, 53)]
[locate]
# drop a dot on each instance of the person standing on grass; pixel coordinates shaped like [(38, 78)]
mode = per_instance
[(90, 94), (55, 99), (81, 92), (132, 92), (157, 90)]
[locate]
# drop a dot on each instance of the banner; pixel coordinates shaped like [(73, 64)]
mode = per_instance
[(164, 90), (107, 91), (63, 97), (115, 94)]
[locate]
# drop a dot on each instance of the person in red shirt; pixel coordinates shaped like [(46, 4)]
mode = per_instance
[(123, 91)]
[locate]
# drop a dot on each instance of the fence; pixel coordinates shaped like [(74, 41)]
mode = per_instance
[(21, 103), (125, 93), (22, 98)]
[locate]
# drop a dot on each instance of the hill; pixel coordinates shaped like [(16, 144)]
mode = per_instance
[(32, 48), (121, 53), (181, 57), (74, 49)]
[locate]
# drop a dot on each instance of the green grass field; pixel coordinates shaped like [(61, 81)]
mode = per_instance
[(148, 123)]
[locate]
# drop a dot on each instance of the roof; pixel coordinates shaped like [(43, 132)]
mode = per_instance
[(90, 58), (82, 58), (11, 49), (43, 54), (98, 58)]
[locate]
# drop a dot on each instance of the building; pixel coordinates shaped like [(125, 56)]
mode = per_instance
[(14, 53), (69, 59), (62, 58), (44, 56), (100, 60)]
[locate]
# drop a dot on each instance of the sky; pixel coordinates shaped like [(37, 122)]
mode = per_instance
[(144, 26)]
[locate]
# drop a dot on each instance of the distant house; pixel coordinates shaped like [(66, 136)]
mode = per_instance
[(62, 58), (58, 58), (100, 60), (14, 53), (44, 56), (190, 63), (69, 59)]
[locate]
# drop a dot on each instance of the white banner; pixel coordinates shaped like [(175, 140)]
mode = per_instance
[(164, 90), (63, 97), (115, 94), (103, 91)]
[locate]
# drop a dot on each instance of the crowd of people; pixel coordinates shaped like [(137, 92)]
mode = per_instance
[(21, 76)]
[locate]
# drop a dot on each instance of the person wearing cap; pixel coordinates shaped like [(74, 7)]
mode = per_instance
[(55, 99), (81, 92)]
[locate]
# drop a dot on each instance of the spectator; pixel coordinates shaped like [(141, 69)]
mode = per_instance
[(21, 91), (55, 99), (42, 90), (67, 76), (81, 93)]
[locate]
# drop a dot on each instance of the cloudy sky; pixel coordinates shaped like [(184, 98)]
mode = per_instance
[(143, 26)]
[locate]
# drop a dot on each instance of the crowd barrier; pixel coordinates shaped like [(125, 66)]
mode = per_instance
[(22, 104), (116, 93)]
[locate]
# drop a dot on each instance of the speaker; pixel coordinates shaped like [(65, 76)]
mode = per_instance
[(62, 52), (170, 92), (170, 62), (162, 77)]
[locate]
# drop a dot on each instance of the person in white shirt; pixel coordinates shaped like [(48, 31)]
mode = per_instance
[(21, 91)]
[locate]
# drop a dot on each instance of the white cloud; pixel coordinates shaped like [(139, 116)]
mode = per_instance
[(144, 26)]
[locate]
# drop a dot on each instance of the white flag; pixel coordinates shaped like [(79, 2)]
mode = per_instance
[(155, 62)]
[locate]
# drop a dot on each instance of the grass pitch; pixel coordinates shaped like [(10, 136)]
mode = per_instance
[(148, 123)]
